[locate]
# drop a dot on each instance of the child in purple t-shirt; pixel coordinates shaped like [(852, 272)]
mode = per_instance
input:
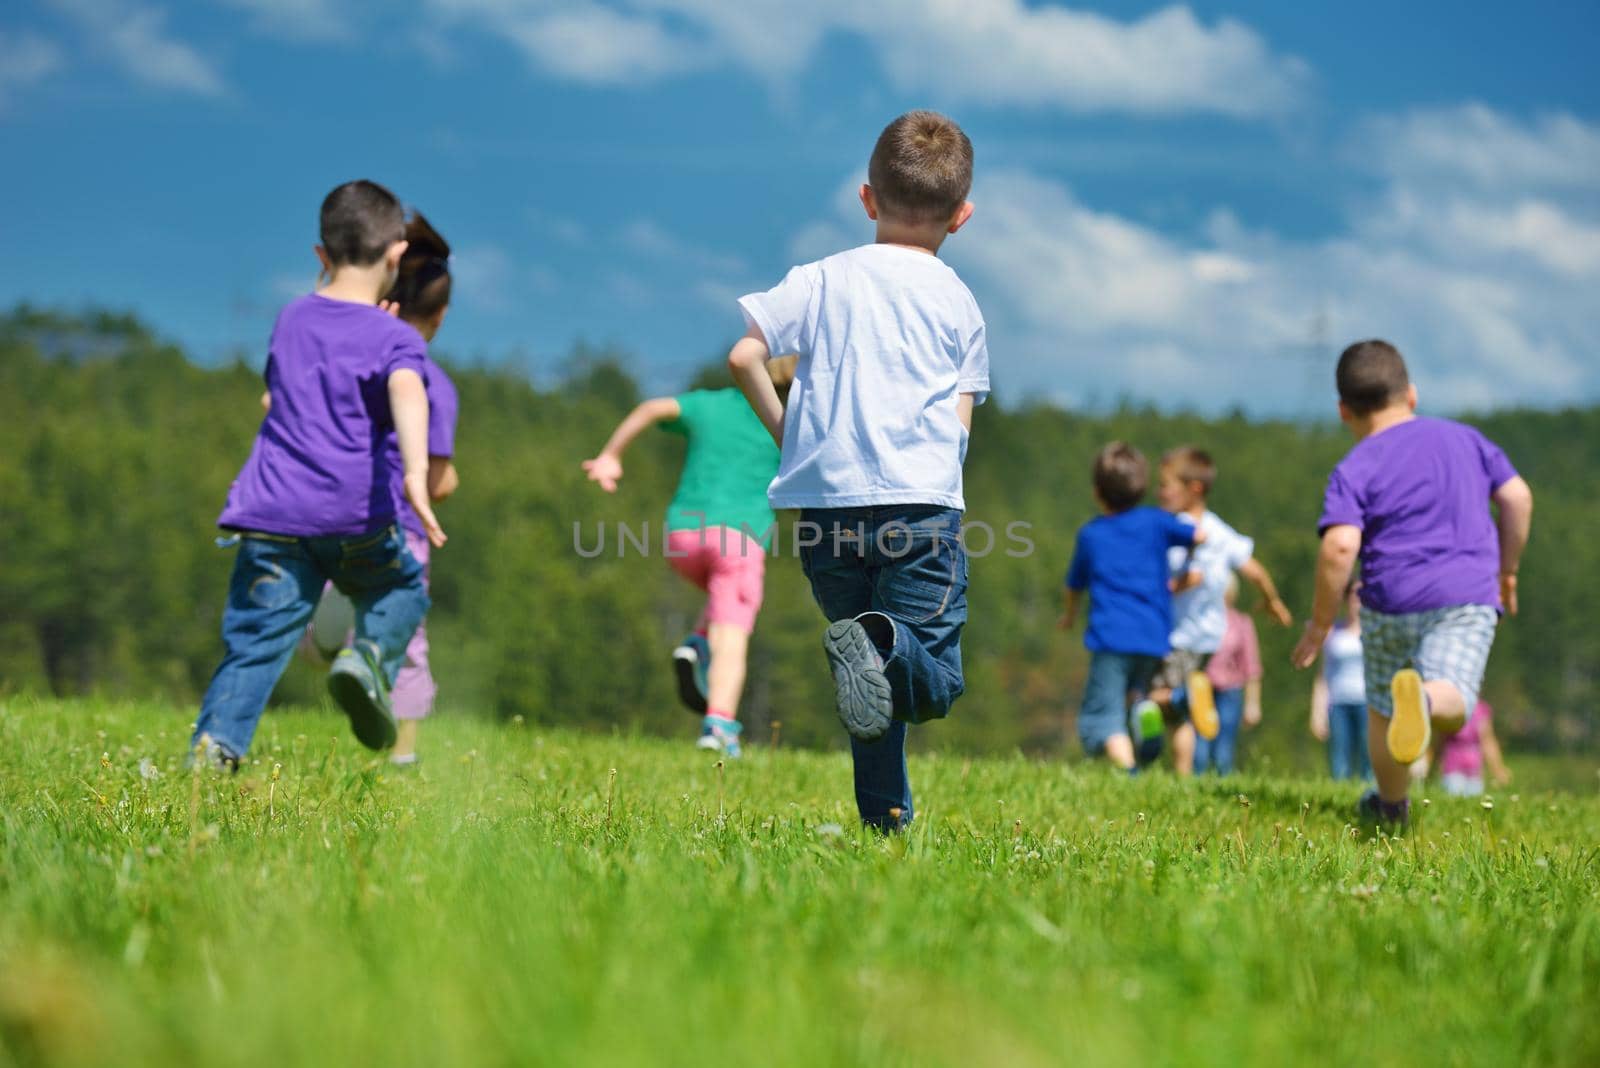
[(1438, 568), (314, 503)]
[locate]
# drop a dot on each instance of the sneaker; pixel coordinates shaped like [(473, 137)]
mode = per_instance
[(1372, 809), (865, 703), (1410, 725), (722, 735), (1202, 705), (690, 661), (1149, 732), (212, 756), (356, 685)]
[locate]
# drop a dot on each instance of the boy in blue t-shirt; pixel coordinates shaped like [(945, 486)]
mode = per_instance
[(1121, 560)]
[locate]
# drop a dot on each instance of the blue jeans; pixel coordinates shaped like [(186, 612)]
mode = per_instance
[(1218, 752), (1347, 742), (1114, 680), (906, 562), (276, 584)]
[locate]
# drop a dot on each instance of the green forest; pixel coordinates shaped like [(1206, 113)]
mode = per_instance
[(116, 451)]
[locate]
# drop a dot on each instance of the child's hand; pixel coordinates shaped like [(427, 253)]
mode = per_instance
[(1252, 715), (1188, 581), (1280, 612), (416, 484), (605, 469), (1508, 594), (390, 307), (1310, 645)]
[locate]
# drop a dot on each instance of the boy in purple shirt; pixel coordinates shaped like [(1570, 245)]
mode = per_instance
[(1412, 498), (313, 502)]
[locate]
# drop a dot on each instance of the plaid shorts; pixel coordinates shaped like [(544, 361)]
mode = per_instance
[(1446, 644), (1173, 674)]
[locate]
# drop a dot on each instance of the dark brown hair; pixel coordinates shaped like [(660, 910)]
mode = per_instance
[(1120, 475), (921, 168), (422, 288), (1371, 376), (1192, 465), (360, 220)]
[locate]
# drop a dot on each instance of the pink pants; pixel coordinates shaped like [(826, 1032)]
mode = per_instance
[(729, 566), (414, 688)]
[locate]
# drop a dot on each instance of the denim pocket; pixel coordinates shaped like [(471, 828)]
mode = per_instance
[(373, 553), (923, 571)]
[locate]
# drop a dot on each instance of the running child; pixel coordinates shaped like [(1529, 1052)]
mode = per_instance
[(1235, 675), (1181, 687), (1120, 561), (1463, 758), (314, 502), (892, 360), (421, 297), (719, 527), (1412, 499), (1339, 694)]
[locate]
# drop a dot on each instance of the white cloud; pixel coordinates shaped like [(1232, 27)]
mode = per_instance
[(1474, 144), (481, 276), (1002, 52), (25, 59), (297, 20), (135, 38), (1489, 293), (646, 238)]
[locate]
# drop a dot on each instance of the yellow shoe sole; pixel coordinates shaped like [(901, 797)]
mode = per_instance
[(1410, 731), (1203, 706)]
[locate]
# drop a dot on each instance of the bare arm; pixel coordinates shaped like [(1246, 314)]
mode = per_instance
[(1255, 573), (964, 405), (1340, 544), (1493, 758), (606, 468), (266, 400), (1514, 518), (1252, 703), (408, 402), (442, 477), (1319, 709), (747, 361), (1069, 609)]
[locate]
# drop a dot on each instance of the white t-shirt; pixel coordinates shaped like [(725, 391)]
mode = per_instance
[(1200, 615), (1343, 667), (888, 338)]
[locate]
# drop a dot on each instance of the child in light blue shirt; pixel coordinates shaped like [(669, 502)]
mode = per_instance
[(892, 360)]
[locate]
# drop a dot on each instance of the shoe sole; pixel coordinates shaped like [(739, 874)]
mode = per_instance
[(706, 741), (865, 702), (685, 662), (372, 726), (1203, 706), (1410, 732)]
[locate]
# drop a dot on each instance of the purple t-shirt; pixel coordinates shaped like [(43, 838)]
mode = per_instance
[(442, 407), (1419, 493), (319, 465)]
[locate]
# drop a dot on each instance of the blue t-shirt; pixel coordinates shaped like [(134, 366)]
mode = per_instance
[(1122, 561)]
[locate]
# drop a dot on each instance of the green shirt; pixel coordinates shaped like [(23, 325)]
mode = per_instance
[(731, 461)]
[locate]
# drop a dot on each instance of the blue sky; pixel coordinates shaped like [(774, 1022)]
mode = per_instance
[(1192, 205)]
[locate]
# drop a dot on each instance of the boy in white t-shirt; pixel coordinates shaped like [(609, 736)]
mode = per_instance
[(892, 361), (1199, 605)]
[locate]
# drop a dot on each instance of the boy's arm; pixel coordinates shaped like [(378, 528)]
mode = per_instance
[(1069, 609), (1319, 709), (1256, 574), (408, 403), (1252, 703), (442, 477), (1340, 544), (266, 400), (964, 405), (606, 468), (747, 360), (1514, 518), (1493, 758)]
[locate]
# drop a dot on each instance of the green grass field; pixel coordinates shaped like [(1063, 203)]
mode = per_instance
[(551, 898)]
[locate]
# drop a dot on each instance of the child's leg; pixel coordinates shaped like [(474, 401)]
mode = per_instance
[(384, 582), (883, 789), (734, 592), (414, 688), (272, 593), (1103, 717), (1393, 777), (1230, 712), (920, 587)]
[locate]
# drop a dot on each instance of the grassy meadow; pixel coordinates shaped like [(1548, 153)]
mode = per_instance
[(529, 896)]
